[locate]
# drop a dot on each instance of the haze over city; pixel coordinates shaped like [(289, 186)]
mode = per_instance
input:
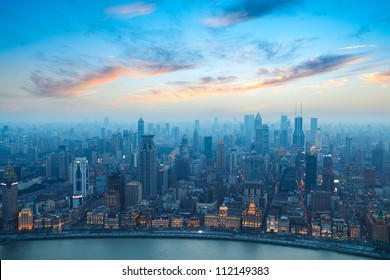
[(186, 60)]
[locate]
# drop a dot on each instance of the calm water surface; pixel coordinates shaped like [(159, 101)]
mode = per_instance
[(158, 249)]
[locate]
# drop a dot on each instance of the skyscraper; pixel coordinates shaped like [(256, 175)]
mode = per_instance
[(147, 167), (80, 180), (116, 183), (311, 171), (313, 129), (249, 124), (258, 133), (133, 193), (220, 157), (10, 199), (208, 145), (195, 146), (298, 135), (140, 130), (284, 124), (378, 158), (264, 148)]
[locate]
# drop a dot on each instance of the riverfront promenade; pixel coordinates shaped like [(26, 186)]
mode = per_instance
[(347, 247)]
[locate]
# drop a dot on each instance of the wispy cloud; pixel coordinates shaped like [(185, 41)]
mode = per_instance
[(377, 78), (246, 10), (319, 65), (279, 50), (211, 86), (66, 87), (356, 47), (131, 10)]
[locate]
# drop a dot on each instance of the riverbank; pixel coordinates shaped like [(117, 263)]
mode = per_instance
[(360, 249)]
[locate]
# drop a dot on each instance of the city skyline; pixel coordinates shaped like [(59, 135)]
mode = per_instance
[(178, 60)]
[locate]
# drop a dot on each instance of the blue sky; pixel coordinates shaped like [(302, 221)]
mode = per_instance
[(185, 60)]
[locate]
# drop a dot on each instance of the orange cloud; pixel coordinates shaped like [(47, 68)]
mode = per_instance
[(377, 78)]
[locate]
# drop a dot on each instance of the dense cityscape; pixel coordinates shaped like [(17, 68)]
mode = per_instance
[(292, 178)]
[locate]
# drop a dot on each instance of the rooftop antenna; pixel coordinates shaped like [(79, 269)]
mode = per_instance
[(301, 108), (295, 109)]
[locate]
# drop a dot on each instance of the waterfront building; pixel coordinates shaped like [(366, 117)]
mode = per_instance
[(160, 222), (272, 223), (326, 226), (222, 220), (339, 229), (129, 219), (251, 218), (111, 221), (315, 227), (9, 188), (284, 225), (25, 219), (354, 231), (177, 221), (96, 217), (145, 217), (193, 222), (378, 226)]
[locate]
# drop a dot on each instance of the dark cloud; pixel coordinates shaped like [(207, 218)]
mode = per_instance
[(362, 30), (311, 67), (248, 9), (218, 79), (275, 50)]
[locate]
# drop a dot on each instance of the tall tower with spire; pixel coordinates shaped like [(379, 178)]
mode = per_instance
[(9, 188)]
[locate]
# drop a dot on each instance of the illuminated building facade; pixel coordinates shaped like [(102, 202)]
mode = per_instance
[(25, 219), (177, 222), (272, 223), (251, 218), (222, 220)]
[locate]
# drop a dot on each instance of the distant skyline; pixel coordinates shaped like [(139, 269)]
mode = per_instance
[(184, 60)]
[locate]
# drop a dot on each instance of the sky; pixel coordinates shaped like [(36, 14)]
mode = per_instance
[(180, 60)]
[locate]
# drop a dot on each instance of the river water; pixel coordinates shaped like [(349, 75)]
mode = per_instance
[(159, 249)]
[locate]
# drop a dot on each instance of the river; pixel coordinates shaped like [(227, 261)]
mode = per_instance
[(159, 249)]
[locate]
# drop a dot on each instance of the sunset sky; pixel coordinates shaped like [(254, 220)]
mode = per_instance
[(173, 60)]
